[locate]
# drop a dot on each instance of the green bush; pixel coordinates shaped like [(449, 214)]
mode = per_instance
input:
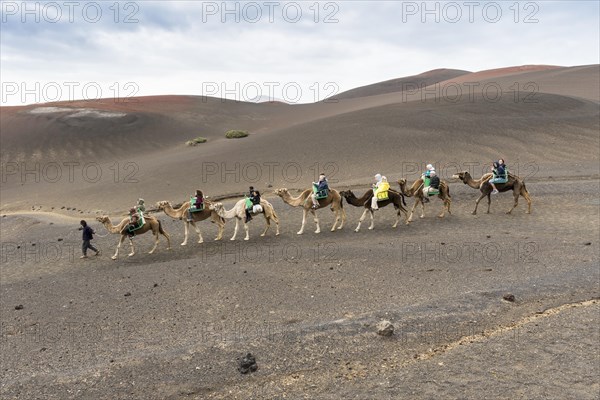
[(196, 141), (234, 134)]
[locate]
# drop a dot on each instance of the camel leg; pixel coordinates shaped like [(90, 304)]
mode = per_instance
[(155, 241), (316, 219), (276, 219), (185, 233), (235, 230), (343, 211), (337, 219), (422, 209), (526, 196), (477, 203), (397, 218), (266, 227), (132, 248), (372, 220), (166, 235), (489, 202), (409, 220), (304, 212), (200, 238), (221, 227), (114, 257), (247, 237), (361, 219), (516, 195), (448, 203)]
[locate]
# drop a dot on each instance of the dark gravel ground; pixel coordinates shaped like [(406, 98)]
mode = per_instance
[(175, 324)]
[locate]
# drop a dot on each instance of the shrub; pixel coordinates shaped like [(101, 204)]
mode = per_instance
[(196, 141), (235, 134)]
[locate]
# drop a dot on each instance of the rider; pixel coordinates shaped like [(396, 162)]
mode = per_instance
[(499, 175), (134, 218), (434, 185), (426, 177), (254, 196), (381, 186), (196, 205), (141, 205), (322, 184)]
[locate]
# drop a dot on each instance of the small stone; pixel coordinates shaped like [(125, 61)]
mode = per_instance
[(385, 328), (19, 307), (156, 284), (248, 364), (127, 294), (488, 236), (60, 239), (509, 297), (587, 244)]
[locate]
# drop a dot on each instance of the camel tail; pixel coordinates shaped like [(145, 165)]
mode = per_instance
[(160, 228)]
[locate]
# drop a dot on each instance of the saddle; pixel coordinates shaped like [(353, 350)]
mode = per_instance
[(253, 208), (140, 223), (193, 207), (381, 196), (320, 194)]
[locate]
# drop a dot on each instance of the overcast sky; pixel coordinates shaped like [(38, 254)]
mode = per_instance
[(53, 50)]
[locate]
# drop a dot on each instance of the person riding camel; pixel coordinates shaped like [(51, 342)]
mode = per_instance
[(196, 205), (319, 187), (134, 219), (141, 205), (426, 177), (499, 175), (254, 200), (434, 186), (380, 189)]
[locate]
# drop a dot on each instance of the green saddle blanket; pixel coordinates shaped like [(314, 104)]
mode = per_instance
[(433, 193), (193, 207), (140, 223), (320, 194)]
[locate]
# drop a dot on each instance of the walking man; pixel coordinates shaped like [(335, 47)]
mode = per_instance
[(88, 235)]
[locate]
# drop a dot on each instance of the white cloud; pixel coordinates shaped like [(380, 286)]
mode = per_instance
[(172, 51)]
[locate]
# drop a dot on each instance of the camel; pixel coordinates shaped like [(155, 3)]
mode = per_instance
[(516, 184), (333, 198), (150, 224), (239, 213), (395, 198), (182, 214), (416, 190)]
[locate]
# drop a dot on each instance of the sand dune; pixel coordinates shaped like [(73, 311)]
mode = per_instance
[(140, 143)]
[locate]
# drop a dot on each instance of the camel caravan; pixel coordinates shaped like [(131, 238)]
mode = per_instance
[(320, 196)]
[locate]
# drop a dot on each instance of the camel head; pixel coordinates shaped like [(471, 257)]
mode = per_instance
[(281, 192), (463, 176), (347, 194), (218, 208), (102, 219), (161, 205)]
